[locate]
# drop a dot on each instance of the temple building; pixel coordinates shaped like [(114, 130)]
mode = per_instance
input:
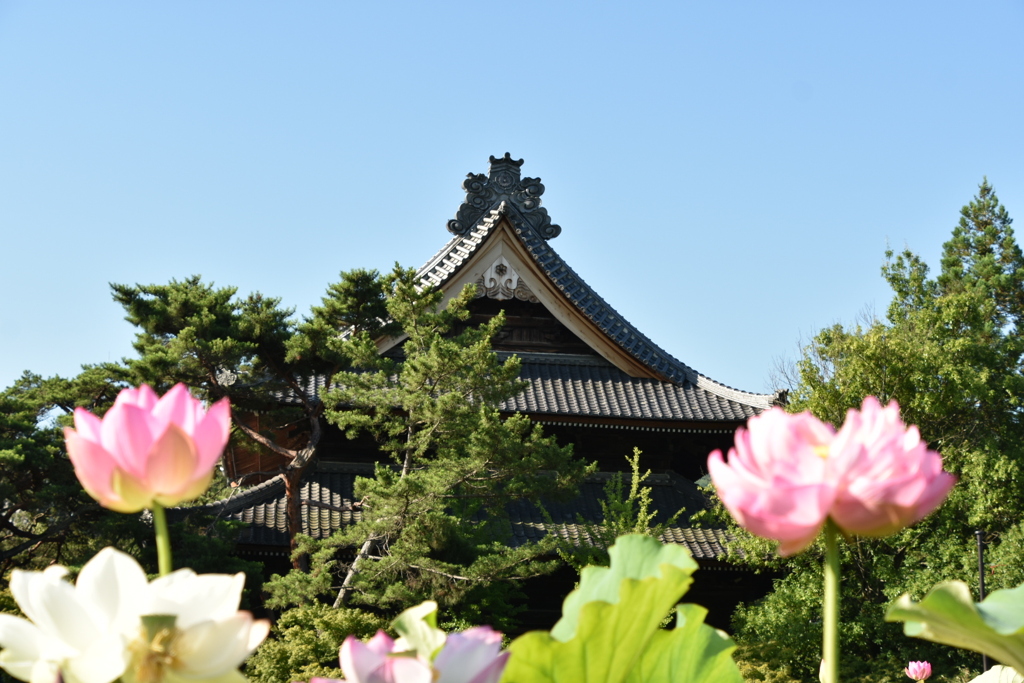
[(595, 381)]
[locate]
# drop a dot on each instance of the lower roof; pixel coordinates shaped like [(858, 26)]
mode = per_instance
[(328, 493)]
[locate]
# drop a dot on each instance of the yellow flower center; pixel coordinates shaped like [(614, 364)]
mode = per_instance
[(821, 451), (153, 652)]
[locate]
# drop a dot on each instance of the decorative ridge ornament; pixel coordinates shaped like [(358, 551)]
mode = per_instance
[(503, 183)]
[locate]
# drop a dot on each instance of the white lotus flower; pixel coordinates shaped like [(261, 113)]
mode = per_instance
[(98, 630), (208, 638), (79, 629)]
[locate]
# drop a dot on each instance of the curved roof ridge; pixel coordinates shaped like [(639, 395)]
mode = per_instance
[(725, 391), (450, 258), (585, 299), (246, 498)]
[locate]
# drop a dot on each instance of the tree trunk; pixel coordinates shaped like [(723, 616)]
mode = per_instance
[(346, 586), (300, 460), (292, 489)]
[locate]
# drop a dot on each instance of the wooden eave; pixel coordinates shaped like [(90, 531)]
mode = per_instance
[(502, 241)]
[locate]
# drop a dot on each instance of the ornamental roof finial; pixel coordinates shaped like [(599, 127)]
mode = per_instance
[(502, 183)]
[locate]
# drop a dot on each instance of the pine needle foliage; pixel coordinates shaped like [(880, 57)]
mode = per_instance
[(304, 643), (434, 519), (622, 513)]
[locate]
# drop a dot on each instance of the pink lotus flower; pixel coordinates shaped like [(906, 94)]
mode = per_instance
[(373, 663), (788, 473), (779, 482), (148, 450), (472, 656), (378, 661), (890, 478), (918, 671)]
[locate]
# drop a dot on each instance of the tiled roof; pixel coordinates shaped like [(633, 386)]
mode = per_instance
[(560, 384), (458, 251), (327, 495), (668, 493), (590, 386)]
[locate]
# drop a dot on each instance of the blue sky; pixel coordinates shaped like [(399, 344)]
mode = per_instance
[(727, 175)]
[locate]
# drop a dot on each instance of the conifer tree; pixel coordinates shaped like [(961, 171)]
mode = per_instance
[(622, 512), (253, 352), (434, 520), (42, 504)]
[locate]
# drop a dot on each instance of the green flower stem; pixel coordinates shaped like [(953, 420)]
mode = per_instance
[(830, 611), (163, 539)]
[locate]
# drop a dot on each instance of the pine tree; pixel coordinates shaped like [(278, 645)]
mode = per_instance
[(434, 520), (253, 352), (622, 513)]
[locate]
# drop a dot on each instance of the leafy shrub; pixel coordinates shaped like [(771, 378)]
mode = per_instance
[(304, 643)]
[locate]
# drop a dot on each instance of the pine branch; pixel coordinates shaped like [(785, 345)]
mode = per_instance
[(265, 442)]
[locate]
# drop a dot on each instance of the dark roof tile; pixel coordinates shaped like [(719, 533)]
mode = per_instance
[(458, 251), (589, 386), (328, 492)]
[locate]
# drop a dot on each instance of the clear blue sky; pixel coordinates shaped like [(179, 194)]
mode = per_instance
[(727, 175)]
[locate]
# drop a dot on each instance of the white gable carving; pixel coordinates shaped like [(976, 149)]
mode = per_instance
[(500, 281)]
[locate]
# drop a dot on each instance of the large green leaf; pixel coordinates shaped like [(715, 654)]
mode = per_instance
[(610, 628), (949, 615), (632, 557), (670, 655)]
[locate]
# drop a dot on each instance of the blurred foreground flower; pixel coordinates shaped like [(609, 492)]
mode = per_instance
[(147, 450), (779, 482), (378, 661), (788, 473), (889, 478), (75, 630), (918, 671), (789, 476), (112, 623), (423, 654), (472, 656)]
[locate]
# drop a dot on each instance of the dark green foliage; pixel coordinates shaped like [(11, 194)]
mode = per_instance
[(94, 389), (434, 523), (45, 516), (193, 333), (48, 518), (622, 513), (355, 303), (251, 351), (304, 643), (983, 254), (950, 353)]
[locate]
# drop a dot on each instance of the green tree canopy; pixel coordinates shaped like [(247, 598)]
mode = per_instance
[(950, 353), (253, 352)]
